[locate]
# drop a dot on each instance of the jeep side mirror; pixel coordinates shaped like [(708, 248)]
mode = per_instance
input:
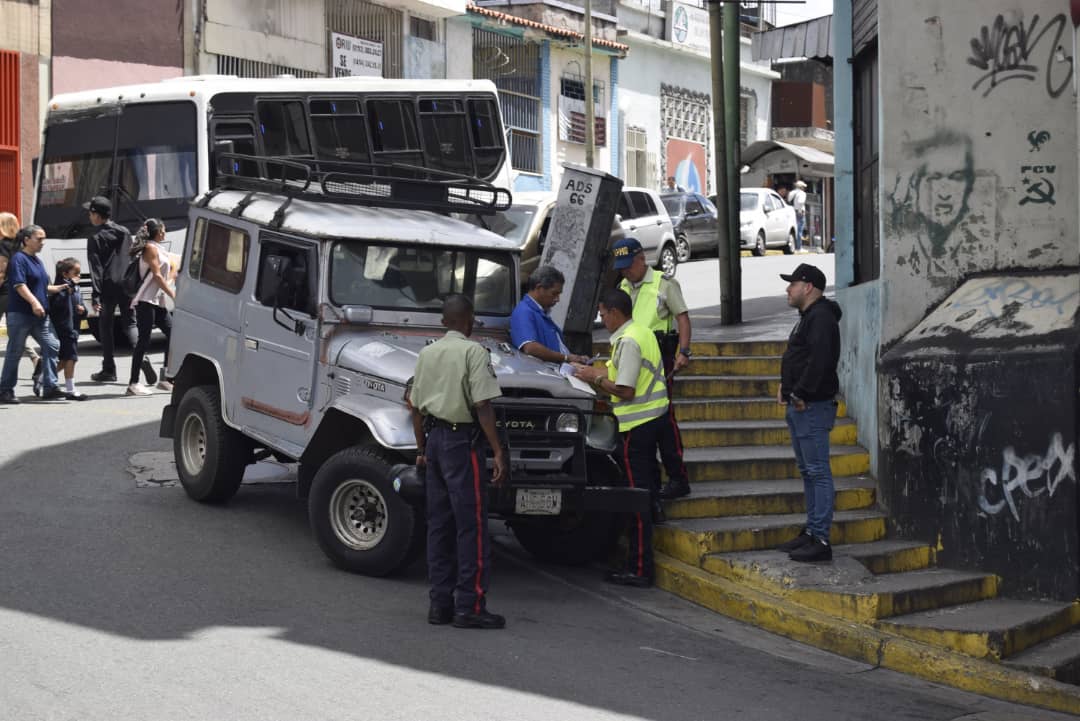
[(359, 314)]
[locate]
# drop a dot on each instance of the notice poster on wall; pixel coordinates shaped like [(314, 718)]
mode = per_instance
[(686, 163), (354, 57)]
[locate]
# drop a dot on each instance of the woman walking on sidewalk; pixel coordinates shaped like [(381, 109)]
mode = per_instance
[(155, 268), (26, 316)]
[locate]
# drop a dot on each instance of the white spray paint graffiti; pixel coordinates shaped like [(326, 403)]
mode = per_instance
[(1046, 472)]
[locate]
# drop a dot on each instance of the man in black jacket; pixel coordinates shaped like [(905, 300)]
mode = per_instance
[(107, 250), (808, 386)]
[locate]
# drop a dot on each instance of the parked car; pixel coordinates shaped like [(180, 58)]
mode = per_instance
[(526, 223), (765, 221), (694, 222)]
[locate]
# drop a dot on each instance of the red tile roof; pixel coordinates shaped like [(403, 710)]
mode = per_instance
[(550, 29)]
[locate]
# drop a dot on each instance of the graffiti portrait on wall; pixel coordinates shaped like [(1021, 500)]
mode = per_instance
[(942, 208)]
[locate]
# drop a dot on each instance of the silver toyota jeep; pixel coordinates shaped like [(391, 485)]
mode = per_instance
[(301, 308)]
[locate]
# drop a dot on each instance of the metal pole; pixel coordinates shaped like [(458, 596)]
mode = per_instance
[(590, 111), (723, 209), (731, 127)]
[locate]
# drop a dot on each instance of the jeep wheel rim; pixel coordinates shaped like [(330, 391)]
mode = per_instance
[(193, 444), (358, 515)]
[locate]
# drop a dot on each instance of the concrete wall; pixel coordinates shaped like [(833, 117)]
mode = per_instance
[(149, 47), (977, 147), (459, 48)]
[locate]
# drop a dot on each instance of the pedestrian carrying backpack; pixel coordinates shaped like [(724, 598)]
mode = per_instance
[(133, 280)]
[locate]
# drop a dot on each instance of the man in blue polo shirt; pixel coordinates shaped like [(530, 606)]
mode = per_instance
[(532, 330)]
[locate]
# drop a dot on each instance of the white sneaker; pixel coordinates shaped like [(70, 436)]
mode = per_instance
[(137, 389), (164, 385)]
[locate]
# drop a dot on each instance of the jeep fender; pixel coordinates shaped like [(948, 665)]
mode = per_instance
[(195, 370)]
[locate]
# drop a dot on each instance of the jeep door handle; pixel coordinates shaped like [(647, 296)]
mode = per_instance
[(251, 344)]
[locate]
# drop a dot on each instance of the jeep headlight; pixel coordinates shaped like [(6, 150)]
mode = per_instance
[(568, 423)]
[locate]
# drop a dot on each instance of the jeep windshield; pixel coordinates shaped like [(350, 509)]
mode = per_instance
[(393, 277)]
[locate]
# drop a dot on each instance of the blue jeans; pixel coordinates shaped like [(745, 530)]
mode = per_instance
[(800, 226), (20, 326), (810, 438)]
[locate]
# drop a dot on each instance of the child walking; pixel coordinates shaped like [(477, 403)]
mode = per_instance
[(66, 311)]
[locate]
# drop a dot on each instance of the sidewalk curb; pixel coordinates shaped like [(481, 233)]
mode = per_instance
[(861, 641)]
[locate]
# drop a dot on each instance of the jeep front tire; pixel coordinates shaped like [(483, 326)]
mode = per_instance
[(210, 456), (360, 522)]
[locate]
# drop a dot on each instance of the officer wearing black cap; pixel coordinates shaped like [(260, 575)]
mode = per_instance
[(808, 387), (450, 396), (659, 305), (107, 249)]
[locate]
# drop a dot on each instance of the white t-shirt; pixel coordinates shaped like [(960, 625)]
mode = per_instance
[(149, 292), (797, 198)]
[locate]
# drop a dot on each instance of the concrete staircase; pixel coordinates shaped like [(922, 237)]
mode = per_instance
[(884, 601)]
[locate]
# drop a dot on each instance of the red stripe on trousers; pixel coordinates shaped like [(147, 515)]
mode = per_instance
[(637, 516), (479, 533)]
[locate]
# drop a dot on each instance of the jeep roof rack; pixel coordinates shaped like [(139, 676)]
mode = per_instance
[(391, 185)]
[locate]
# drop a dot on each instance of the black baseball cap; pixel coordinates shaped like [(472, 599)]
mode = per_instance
[(809, 274), (99, 204)]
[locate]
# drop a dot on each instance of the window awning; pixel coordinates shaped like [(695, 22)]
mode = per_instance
[(809, 39), (770, 156)]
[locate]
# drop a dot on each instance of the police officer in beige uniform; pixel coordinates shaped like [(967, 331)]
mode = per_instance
[(659, 306), (452, 416)]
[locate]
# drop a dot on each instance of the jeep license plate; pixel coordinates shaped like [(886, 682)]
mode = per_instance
[(536, 502)]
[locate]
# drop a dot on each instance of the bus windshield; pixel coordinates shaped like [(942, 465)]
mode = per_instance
[(417, 278), (140, 156)]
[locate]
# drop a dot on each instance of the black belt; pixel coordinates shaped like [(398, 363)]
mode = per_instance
[(440, 423)]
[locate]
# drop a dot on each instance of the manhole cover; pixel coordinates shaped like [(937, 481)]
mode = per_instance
[(156, 469)]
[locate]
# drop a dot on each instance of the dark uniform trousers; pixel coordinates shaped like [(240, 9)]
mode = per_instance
[(458, 546), (639, 459), (671, 447)]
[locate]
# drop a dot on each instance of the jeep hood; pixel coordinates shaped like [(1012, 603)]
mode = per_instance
[(391, 356)]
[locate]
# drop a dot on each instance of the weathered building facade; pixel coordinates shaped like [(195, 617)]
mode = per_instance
[(957, 255)]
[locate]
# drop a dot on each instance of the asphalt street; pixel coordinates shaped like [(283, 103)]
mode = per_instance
[(120, 599)]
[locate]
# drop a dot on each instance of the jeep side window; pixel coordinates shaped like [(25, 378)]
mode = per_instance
[(219, 256), (283, 261)]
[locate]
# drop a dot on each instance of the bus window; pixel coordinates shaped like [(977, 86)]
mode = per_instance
[(487, 137), (241, 133), (155, 172), (339, 130), (393, 131), (444, 127), (283, 127)]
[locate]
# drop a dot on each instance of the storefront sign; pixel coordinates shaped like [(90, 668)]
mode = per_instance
[(688, 27), (353, 57)]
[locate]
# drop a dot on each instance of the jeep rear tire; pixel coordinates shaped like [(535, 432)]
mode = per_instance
[(210, 456), (568, 540), (359, 521)]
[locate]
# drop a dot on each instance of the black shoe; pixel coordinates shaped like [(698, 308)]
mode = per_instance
[(148, 371), (440, 615), (796, 543), (36, 377), (52, 394), (76, 396), (484, 619), (625, 578), (658, 515), (103, 376), (9, 398), (816, 550), (675, 489)]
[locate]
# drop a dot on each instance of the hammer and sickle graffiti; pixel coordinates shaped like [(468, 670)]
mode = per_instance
[(1040, 191)]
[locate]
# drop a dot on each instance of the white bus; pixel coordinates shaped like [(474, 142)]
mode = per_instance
[(151, 148)]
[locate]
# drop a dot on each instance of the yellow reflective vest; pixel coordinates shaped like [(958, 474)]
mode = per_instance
[(647, 303), (650, 393)]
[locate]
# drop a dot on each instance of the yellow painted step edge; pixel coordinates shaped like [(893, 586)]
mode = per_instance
[(861, 607), (863, 642)]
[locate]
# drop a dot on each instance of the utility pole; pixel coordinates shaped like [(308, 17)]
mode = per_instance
[(731, 127), (590, 111), (723, 207)]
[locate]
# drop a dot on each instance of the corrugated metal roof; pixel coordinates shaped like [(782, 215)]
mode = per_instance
[(810, 39)]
